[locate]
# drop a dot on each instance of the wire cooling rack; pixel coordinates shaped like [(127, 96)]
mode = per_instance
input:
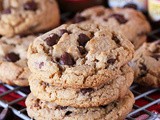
[(146, 107)]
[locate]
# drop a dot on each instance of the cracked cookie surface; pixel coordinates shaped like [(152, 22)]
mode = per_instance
[(79, 55), (28, 16), (83, 97), (129, 22), (13, 60), (146, 64), (42, 110)]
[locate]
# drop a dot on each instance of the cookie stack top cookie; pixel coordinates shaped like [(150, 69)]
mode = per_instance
[(79, 55), (129, 22)]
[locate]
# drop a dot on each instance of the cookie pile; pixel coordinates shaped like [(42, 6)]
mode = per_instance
[(80, 71), (20, 23)]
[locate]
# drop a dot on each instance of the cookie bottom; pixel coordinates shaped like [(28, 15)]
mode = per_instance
[(42, 110)]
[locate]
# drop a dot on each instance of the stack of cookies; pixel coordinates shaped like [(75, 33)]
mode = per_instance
[(80, 71), (20, 20)]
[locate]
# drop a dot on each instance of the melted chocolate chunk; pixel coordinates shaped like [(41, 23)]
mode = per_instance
[(66, 59), (81, 50), (144, 70), (111, 61), (30, 5), (61, 107), (6, 11), (156, 56), (86, 90), (131, 5), (78, 18), (115, 38), (103, 106), (12, 57), (62, 31), (68, 113), (83, 39), (120, 18), (52, 39)]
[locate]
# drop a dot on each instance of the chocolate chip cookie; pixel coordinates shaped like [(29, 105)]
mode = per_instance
[(112, 90), (129, 22), (13, 60), (27, 16), (42, 110), (146, 64), (79, 55)]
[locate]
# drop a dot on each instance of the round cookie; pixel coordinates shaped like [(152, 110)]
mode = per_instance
[(13, 60), (27, 16), (79, 55), (42, 110), (112, 90), (129, 22), (146, 64)]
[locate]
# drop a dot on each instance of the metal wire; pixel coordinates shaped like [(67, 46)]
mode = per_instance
[(135, 88)]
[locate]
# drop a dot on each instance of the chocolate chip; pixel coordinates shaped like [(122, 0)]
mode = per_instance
[(41, 65), (30, 5), (115, 38), (105, 19), (111, 61), (156, 56), (68, 113), (120, 18), (12, 57), (66, 59), (81, 50), (78, 18), (6, 11), (100, 13), (86, 90), (103, 106), (62, 31), (83, 39), (61, 107), (131, 5), (52, 39), (143, 69)]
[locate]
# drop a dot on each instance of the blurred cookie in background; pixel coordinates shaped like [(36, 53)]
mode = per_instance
[(146, 64), (131, 23), (28, 16), (13, 60)]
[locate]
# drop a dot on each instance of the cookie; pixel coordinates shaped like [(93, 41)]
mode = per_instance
[(112, 90), (42, 110), (79, 55), (13, 60), (129, 22), (146, 64), (27, 16)]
